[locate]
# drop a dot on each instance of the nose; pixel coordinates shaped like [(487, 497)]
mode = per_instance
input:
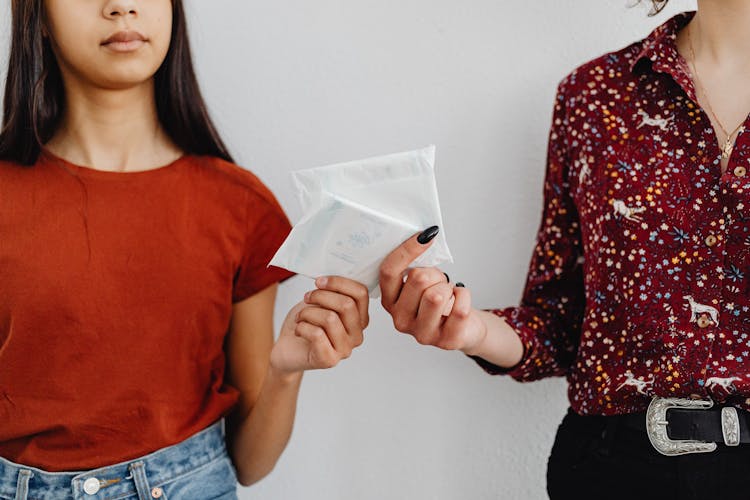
[(114, 8)]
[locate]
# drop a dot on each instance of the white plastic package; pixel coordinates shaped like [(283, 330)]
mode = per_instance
[(357, 212)]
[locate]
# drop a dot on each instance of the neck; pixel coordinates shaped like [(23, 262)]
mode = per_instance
[(112, 129), (719, 31)]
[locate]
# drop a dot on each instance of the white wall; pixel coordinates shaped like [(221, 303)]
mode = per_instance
[(298, 84)]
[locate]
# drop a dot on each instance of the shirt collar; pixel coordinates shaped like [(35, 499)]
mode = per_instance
[(660, 44), (660, 49)]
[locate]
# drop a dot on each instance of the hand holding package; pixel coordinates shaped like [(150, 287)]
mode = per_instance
[(356, 213)]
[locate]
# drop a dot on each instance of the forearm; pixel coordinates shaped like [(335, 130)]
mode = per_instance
[(260, 433), (501, 345)]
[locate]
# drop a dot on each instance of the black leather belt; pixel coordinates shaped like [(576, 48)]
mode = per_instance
[(696, 425), (677, 426)]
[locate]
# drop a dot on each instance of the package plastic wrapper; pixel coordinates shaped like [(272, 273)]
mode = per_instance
[(357, 212)]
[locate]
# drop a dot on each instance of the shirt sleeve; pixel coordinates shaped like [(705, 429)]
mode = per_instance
[(549, 316), (267, 227)]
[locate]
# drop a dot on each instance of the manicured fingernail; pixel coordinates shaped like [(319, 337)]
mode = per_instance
[(321, 282), (307, 296), (460, 285), (447, 277), (428, 234)]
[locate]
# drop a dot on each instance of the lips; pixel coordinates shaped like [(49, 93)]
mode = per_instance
[(124, 37), (124, 42)]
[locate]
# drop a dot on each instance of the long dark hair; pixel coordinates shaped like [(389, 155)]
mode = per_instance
[(35, 97)]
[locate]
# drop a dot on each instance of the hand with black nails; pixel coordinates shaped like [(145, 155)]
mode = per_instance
[(425, 304)]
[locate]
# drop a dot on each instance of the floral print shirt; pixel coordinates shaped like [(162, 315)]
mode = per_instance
[(638, 281)]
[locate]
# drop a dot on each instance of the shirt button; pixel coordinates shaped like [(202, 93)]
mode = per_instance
[(711, 240), (91, 485), (703, 322), (740, 171), (156, 492)]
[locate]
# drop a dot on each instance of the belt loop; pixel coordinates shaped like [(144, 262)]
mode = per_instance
[(137, 470), (22, 486)]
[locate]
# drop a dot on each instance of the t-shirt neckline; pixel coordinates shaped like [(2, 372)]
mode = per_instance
[(90, 172)]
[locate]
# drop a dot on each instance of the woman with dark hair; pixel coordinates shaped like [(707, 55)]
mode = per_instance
[(136, 305), (637, 289)]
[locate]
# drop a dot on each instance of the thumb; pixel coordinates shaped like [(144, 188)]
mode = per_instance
[(394, 265)]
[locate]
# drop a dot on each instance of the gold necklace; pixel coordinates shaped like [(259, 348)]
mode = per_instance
[(726, 150)]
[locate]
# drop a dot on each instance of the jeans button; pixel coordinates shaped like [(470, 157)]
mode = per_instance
[(91, 485), (156, 492)]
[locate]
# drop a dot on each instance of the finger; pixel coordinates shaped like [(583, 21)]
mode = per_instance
[(462, 306), (345, 307), (354, 289), (417, 282), (430, 316), (321, 348), (331, 324), (454, 326), (449, 305), (393, 266)]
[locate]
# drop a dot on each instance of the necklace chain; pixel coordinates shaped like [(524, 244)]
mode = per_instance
[(726, 150)]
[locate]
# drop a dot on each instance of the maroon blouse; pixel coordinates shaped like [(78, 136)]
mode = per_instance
[(638, 283)]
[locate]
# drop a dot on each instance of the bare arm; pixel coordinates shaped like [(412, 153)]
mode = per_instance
[(259, 427), (317, 333)]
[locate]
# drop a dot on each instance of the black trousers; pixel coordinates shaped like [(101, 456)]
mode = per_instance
[(592, 458)]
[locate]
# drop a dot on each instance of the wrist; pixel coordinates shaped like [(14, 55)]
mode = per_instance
[(283, 377), (502, 344), (476, 347)]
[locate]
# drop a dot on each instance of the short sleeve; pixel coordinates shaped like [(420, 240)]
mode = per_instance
[(266, 228)]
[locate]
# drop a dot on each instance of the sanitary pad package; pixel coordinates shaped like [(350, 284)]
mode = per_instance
[(357, 212)]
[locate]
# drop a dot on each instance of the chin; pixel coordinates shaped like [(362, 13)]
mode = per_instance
[(124, 76), (124, 81)]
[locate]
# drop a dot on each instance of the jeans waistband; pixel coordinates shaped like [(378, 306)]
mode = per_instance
[(132, 477)]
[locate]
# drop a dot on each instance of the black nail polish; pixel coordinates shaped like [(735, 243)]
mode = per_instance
[(428, 234), (447, 277), (460, 285)]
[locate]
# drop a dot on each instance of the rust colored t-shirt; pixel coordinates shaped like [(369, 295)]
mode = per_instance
[(116, 292)]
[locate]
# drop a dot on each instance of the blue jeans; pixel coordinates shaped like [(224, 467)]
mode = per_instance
[(196, 468)]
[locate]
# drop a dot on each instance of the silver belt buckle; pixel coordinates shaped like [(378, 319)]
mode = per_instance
[(656, 427)]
